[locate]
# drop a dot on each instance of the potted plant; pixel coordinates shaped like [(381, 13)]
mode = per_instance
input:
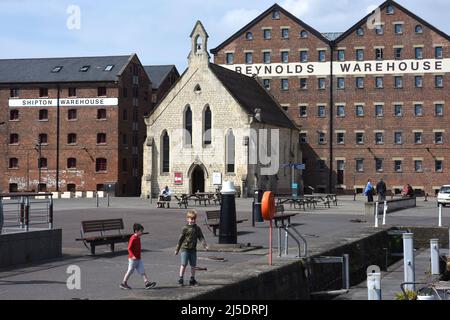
[(425, 294), (410, 295)]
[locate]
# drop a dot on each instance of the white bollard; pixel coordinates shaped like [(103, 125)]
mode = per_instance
[(440, 215), (384, 212), (408, 261), (373, 283), (376, 214), (434, 246)]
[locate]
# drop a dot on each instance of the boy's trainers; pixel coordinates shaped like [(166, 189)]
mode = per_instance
[(150, 285), (124, 286), (193, 282), (180, 282)]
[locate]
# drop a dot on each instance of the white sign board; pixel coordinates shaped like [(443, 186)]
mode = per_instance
[(217, 178), (76, 102), (346, 68)]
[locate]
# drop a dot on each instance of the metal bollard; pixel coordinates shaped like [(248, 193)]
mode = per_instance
[(1, 215), (376, 214), (434, 246), (27, 214), (50, 214), (440, 215), (373, 283), (107, 198), (22, 212), (96, 198), (384, 212), (408, 260), (346, 271)]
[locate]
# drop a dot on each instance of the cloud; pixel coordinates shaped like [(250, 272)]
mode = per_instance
[(236, 19), (297, 7)]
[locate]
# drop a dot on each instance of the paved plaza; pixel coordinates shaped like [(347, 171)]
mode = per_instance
[(101, 274)]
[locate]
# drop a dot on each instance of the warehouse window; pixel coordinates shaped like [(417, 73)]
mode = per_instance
[(303, 34), (14, 138), (43, 114), (100, 165), (230, 58), (71, 163), (418, 29), (275, 14), (14, 93), (101, 91), (109, 67), (43, 92), (101, 114), (72, 114), (71, 138), (72, 92), (42, 163), (249, 36), (13, 163), (101, 138), (14, 115), (43, 138), (360, 32)]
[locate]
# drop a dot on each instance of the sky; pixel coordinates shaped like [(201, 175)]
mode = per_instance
[(158, 31)]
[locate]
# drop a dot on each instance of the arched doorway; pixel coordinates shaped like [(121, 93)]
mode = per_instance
[(197, 180)]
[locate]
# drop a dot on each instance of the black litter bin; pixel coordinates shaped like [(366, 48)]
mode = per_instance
[(257, 215)]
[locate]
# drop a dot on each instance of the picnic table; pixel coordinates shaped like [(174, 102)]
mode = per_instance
[(291, 200)]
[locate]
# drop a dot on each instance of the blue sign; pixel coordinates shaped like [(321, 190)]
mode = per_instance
[(298, 166), (294, 186)]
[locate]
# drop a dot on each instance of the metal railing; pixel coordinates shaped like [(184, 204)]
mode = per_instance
[(22, 210)]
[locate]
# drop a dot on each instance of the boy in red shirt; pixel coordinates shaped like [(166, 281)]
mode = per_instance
[(134, 259)]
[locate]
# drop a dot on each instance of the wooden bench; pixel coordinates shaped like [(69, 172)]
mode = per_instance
[(213, 220), (103, 226), (163, 202)]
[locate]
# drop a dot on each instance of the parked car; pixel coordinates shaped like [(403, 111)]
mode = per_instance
[(443, 196)]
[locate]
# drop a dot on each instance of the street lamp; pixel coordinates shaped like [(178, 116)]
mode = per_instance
[(38, 148)]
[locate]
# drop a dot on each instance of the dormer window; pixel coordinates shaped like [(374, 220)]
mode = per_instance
[(109, 67), (275, 14), (57, 69), (84, 68), (249, 36)]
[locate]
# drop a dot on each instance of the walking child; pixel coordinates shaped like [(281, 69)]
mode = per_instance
[(188, 245), (134, 259)]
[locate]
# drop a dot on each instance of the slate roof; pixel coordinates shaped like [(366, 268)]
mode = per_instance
[(157, 74), (262, 16), (40, 70), (251, 95)]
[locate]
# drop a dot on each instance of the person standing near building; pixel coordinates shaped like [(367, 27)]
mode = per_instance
[(368, 191), (188, 245), (381, 190)]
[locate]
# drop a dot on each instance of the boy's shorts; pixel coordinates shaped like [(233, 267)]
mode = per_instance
[(137, 265), (189, 255)]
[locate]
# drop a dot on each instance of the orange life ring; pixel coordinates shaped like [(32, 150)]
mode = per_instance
[(268, 205)]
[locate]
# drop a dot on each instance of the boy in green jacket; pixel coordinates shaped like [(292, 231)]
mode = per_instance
[(188, 245)]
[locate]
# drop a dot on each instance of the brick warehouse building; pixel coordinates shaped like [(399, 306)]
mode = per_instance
[(73, 124), (372, 102)]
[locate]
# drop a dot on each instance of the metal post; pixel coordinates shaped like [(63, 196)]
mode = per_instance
[(22, 212), (279, 242), (434, 246), (345, 271), (27, 214), (408, 260), (384, 212), (96, 198), (286, 237), (50, 214), (440, 215), (107, 198), (373, 283), (376, 214), (227, 224), (1, 214)]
